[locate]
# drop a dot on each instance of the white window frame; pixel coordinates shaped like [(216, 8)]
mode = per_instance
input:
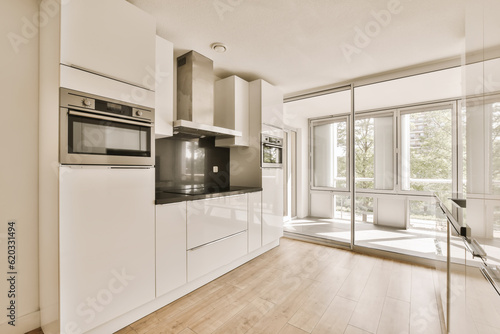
[(454, 144), (323, 121), (362, 115)]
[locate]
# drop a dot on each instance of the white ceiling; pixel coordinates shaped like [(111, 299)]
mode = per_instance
[(296, 44)]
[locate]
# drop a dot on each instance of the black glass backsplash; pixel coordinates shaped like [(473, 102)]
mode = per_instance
[(186, 164)]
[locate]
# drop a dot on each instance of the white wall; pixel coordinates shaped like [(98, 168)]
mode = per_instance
[(444, 84), (295, 121), (19, 162)]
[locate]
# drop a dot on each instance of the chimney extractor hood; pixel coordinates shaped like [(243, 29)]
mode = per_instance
[(195, 98)]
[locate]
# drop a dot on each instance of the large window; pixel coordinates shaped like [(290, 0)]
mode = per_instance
[(374, 149), (426, 150), (330, 153), (402, 157)]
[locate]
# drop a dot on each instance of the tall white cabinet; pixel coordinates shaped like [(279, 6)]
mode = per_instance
[(267, 101), (106, 48), (266, 116)]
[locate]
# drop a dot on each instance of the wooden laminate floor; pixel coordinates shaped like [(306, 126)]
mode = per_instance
[(300, 288)]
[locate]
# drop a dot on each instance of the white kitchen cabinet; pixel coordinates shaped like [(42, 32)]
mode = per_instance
[(112, 38), (164, 93), (170, 247), (272, 204), (254, 221), (207, 258), (232, 110), (106, 244), (268, 101), (211, 219), (216, 233)]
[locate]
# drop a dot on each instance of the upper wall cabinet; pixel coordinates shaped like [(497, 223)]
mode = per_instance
[(164, 94), (269, 100), (231, 109), (112, 38)]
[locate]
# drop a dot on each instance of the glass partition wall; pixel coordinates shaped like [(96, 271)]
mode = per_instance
[(403, 156), (391, 161), (330, 199), (327, 154)]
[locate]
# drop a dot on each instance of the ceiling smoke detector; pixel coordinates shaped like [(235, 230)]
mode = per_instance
[(219, 47)]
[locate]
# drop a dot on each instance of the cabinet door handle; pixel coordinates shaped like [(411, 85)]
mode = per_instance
[(216, 241)]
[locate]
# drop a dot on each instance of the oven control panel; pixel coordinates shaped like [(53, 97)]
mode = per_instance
[(266, 139), (105, 106)]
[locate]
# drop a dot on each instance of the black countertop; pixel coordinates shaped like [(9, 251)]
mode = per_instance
[(165, 197)]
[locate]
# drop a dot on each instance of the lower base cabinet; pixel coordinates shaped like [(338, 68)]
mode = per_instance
[(170, 247), (106, 246), (207, 258), (195, 238), (272, 205), (254, 221)]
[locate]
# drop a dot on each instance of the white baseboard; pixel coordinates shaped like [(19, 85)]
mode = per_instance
[(24, 324)]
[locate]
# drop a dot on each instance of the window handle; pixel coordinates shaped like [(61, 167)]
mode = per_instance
[(397, 168)]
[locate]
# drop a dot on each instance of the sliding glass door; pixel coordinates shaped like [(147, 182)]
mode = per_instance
[(403, 157), (323, 166), (330, 197)]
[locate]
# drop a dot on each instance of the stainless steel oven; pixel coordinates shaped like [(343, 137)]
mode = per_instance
[(99, 131), (272, 151)]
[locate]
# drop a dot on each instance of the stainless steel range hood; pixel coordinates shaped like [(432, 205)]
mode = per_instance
[(195, 99)]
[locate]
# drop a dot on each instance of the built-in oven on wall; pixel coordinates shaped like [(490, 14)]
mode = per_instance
[(272, 151), (101, 131)]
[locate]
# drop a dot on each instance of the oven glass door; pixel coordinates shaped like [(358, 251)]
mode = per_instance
[(271, 155), (106, 137)]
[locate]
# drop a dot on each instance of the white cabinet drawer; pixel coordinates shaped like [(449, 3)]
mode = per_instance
[(205, 259), (170, 247), (215, 218)]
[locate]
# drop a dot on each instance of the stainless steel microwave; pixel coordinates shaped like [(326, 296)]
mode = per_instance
[(100, 131), (272, 151)]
